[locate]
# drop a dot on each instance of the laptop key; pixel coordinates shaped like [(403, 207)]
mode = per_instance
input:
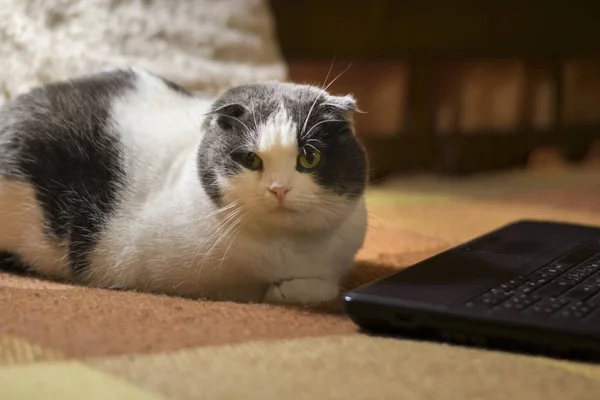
[(517, 303), (555, 288), (570, 276), (547, 306), (579, 274), (489, 300), (570, 314), (532, 285), (582, 293), (577, 256), (554, 270), (577, 310), (512, 284)]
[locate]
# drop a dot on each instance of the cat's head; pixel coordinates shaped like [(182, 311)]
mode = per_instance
[(283, 154)]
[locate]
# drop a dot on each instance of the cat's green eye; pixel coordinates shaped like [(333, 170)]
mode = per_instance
[(251, 161), (309, 159)]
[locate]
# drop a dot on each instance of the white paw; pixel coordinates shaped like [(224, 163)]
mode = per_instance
[(302, 291)]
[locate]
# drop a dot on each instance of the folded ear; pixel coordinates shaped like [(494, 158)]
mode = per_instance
[(345, 103), (227, 115), (337, 107)]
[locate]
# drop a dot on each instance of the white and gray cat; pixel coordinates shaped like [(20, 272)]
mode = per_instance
[(124, 180)]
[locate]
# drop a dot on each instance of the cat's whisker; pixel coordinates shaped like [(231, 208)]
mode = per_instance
[(236, 119), (223, 209), (317, 98), (312, 147), (217, 231), (328, 72), (223, 235), (221, 107), (234, 237), (337, 77), (313, 140), (242, 147), (319, 123), (308, 115), (223, 222), (232, 204), (212, 234)]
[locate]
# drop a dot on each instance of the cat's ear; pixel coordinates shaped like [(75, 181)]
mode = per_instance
[(228, 115), (341, 106), (346, 104), (336, 107)]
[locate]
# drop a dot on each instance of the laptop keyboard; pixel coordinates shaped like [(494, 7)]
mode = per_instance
[(564, 288)]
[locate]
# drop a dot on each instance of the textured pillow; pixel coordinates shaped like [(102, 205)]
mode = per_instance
[(205, 45)]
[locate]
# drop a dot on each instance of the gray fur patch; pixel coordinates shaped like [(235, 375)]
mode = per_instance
[(59, 138)]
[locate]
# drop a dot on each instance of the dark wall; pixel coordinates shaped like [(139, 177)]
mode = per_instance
[(535, 66)]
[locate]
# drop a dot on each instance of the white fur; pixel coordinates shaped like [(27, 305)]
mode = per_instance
[(168, 236)]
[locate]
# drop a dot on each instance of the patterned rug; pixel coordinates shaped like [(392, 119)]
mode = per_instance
[(66, 342)]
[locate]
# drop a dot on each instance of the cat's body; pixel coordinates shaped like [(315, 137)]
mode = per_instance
[(124, 180)]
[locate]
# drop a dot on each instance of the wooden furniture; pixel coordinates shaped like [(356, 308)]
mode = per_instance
[(438, 40)]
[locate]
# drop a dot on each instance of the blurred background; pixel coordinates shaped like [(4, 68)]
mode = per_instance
[(456, 87)]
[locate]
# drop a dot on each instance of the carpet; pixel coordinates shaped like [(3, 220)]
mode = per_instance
[(67, 342)]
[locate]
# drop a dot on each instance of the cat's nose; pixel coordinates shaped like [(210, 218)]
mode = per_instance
[(279, 191)]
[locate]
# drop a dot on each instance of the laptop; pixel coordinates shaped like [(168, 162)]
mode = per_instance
[(530, 287)]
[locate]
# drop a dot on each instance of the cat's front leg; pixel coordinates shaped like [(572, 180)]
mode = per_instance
[(303, 291)]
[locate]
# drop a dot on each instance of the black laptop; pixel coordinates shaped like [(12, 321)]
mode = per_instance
[(531, 286)]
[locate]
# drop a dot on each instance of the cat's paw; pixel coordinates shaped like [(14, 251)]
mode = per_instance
[(304, 291)]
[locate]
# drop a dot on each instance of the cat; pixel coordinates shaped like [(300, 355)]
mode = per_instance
[(125, 180)]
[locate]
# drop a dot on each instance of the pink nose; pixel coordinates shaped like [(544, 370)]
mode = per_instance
[(279, 191)]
